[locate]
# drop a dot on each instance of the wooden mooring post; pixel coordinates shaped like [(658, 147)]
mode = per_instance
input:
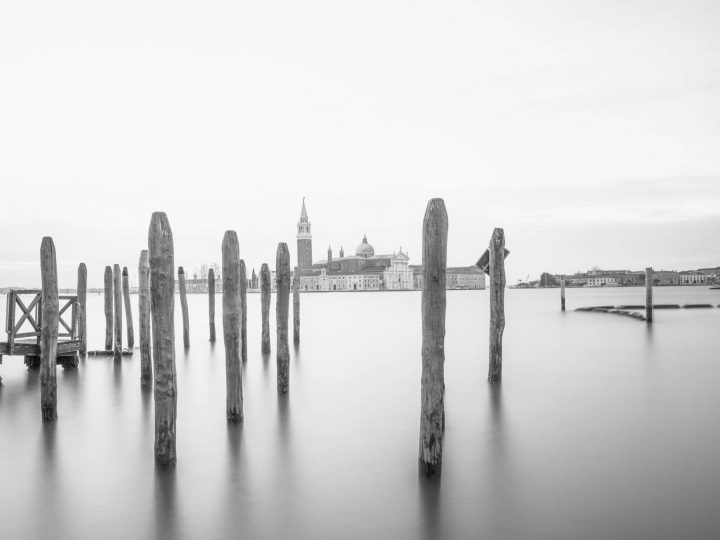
[(432, 408), (144, 317), (649, 295), (162, 299), (82, 308), (108, 308), (231, 326), (265, 292), (296, 306), (282, 275), (497, 303), (211, 303), (243, 311), (562, 294), (50, 320), (117, 312), (184, 307), (128, 309)]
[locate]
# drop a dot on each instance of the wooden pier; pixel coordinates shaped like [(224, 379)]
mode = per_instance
[(23, 323)]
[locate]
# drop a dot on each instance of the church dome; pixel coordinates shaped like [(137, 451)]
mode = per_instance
[(364, 249)]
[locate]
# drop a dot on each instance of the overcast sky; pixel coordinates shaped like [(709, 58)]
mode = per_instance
[(590, 131)]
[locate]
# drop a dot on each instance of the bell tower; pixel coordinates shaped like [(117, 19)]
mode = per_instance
[(304, 240)]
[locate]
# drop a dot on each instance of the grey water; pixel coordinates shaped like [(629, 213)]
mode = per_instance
[(603, 427)]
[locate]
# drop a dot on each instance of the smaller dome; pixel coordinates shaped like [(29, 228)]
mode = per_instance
[(364, 249)]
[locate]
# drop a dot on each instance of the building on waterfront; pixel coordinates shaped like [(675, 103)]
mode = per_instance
[(456, 277), (304, 240)]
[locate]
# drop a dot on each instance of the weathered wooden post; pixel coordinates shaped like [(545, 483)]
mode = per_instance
[(265, 288), (144, 322), (162, 298), (562, 294), (432, 410), (128, 309), (497, 303), (296, 306), (184, 307), (211, 300), (231, 325), (282, 272), (118, 311), (649, 295), (82, 307), (108, 308), (50, 314), (243, 311)]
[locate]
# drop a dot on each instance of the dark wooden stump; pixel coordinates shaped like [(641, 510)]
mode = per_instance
[(82, 307), (296, 306), (497, 303), (432, 393), (108, 308), (562, 294), (117, 311), (50, 319), (128, 309), (211, 303), (243, 311), (265, 292), (649, 295), (184, 307), (231, 325), (162, 299), (282, 273), (144, 317)]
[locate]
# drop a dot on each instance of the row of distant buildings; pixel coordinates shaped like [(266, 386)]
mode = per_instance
[(628, 278)]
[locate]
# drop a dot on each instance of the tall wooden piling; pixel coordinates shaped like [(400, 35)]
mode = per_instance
[(50, 314), (162, 299), (497, 303), (432, 410), (282, 273), (128, 309), (144, 317), (296, 306), (184, 307), (231, 325), (243, 310), (265, 291), (211, 303), (562, 294), (117, 312), (649, 295), (82, 307), (108, 308)]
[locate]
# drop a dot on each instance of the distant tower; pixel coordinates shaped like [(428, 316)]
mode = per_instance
[(329, 254), (304, 240), (342, 252)]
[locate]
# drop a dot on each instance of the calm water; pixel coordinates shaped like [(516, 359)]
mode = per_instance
[(602, 428)]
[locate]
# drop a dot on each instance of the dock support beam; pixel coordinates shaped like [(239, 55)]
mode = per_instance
[(50, 314), (231, 326), (211, 303), (108, 308), (562, 294), (128, 309), (184, 308), (296, 306), (265, 291), (144, 317), (649, 295), (282, 273), (243, 311), (82, 307), (118, 311), (497, 303)]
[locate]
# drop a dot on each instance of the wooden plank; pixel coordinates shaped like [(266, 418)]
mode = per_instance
[(49, 337)]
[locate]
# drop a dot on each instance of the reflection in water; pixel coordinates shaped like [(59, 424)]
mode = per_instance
[(117, 382), (165, 522), (146, 392), (429, 490)]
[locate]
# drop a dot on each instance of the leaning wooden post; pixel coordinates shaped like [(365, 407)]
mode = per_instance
[(296, 306), (265, 289), (649, 295), (497, 303), (144, 307), (50, 314), (562, 294), (118, 311), (243, 310), (282, 271), (82, 307), (211, 301), (184, 307), (432, 410), (231, 326), (108, 308), (162, 299), (128, 309)]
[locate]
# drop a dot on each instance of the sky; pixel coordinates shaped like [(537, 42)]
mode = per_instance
[(588, 130)]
